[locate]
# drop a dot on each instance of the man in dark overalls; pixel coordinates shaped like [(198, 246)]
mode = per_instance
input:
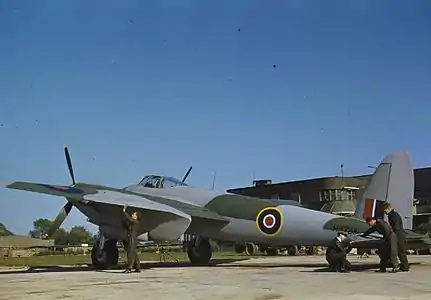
[(131, 224), (389, 248), (396, 223), (336, 254)]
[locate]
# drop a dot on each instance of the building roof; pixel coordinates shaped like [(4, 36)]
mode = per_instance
[(21, 241), (421, 175)]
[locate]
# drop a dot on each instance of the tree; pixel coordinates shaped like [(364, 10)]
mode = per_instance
[(4, 231), (41, 228), (61, 237), (76, 236), (79, 235)]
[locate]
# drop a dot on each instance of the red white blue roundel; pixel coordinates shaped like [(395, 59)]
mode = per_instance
[(63, 188), (269, 221)]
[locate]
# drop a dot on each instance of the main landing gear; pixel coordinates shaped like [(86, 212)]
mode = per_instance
[(104, 253), (199, 251)]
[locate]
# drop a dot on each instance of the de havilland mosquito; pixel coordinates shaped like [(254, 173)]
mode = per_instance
[(169, 209)]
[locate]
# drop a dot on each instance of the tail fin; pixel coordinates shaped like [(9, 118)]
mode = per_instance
[(392, 181)]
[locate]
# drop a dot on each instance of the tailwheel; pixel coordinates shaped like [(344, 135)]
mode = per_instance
[(199, 251), (104, 254)]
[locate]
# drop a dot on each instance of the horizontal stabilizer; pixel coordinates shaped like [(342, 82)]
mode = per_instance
[(413, 241)]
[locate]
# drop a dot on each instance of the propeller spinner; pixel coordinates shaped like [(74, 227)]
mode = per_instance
[(64, 212)]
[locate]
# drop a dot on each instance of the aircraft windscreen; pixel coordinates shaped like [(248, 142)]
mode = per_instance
[(151, 181), (155, 181)]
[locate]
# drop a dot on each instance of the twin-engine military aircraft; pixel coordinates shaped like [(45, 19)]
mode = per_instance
[(169, 209)]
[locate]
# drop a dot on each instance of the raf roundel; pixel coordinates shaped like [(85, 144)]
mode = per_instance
[(269, 221)]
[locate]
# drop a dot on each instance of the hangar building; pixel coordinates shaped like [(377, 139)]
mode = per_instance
[(337, 194)]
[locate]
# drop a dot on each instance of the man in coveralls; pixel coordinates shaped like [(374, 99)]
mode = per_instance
[(389, 248), (396, 223), (336, 254), (131, 225)]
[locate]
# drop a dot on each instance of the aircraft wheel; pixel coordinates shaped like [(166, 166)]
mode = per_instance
[(106, 257), (199, 251), (251, 249), (271, 251)]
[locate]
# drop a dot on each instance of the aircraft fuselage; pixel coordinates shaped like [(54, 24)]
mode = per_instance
[(296, 225)]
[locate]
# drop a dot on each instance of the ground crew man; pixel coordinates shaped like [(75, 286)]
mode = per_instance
[(130, 244), (396, 223), (336, 254), (389, 248)]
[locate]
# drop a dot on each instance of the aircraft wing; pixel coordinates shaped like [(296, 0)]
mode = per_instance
[(173, 222), (183, 213)]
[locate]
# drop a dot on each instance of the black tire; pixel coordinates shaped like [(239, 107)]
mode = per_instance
[(200, 254), (106, 258)]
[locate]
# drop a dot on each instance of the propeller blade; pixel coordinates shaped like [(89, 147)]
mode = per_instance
[(187, 175), (69, 164), (64, 212)]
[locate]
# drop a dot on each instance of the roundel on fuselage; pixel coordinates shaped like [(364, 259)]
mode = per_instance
[(269, 221)]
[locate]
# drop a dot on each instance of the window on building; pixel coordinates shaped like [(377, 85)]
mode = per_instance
[(324, 196), (337, 195)]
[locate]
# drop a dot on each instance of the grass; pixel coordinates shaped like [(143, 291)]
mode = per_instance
[(76, 260)]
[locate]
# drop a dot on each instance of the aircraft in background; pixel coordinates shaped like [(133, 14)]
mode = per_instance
[(176, 209)]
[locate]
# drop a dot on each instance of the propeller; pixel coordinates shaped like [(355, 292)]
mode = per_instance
[(69, 164), (65, 210), (187, 175)]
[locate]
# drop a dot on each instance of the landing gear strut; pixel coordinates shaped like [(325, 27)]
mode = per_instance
[(199, 251), (104, 253)]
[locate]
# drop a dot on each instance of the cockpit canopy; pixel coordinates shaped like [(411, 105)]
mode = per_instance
[(156, 181)]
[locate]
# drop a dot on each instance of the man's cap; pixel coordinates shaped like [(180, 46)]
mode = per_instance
[(342, 233)]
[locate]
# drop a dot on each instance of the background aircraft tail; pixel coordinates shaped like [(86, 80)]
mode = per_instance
[(393, 182)]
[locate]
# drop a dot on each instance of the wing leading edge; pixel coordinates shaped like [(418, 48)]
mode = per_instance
[(168, 229), (83, 193)]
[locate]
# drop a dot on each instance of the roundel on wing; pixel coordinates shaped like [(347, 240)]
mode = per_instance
[(269, 220)]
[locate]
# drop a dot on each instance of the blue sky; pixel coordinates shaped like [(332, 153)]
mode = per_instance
[(139, 87)]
